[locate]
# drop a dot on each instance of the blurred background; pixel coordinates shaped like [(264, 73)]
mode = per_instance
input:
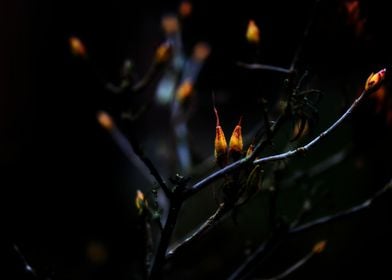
[(69, 191)]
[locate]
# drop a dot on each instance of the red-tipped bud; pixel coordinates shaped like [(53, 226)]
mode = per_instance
[(220, 144), (374, 81), (319, 247), (105, 120), (236, 144), (184, 91), (185, 9), (163, 53), (77, 47), (252, 33)]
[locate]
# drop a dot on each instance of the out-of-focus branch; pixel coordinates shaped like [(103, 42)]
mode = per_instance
[(256, 66), (317, 249), (106, 121), (254, 258), (342, 214), (305, 35), (27, 267)]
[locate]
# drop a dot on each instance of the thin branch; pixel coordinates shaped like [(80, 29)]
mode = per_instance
[(254, 258), (292, 268), (27, 267), (200, 231), (342, 214), (148, 246), (159, 260), (147, 78), (126, 146), (154, 172), (302, 150), (318, 168), (255, 66), (304, 36)]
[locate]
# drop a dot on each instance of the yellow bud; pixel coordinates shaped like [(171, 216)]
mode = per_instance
[(236, 144), (184, 91), (77, 47), (140, 201), (374, 81), (253, 33), (163, 53), (319, 247), (105, 120), (220, 151)]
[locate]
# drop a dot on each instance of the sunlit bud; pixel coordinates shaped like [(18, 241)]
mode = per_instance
[(319, 247), (201, 51), (140, 201), (163, 53), (170, 24), (250, 150), (236, 145), (184, 91), (105, 120), (220, 144), (77, 47), (374, 81), (253, 33), (185, 9)]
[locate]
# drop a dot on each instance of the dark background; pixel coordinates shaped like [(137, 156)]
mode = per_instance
[(66, 187)]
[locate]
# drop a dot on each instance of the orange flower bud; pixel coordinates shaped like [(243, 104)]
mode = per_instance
[(140, 201), (236, 145), (184, 91), (201, 51), (253, 33), (77, 47), (374, 81), (319, 247), (185, 9), (163, 52), (220, 143), (105, 120), (170, 24)]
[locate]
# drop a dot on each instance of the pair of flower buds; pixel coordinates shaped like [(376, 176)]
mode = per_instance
[(222, 153)]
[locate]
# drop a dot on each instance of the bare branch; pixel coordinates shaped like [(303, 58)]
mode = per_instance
[(27, 267), (127, 147), (292, 268), (159, 260), (255, 66), (304, 36), (302, 150), (255, 257), (203, 229), (342, 214)]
